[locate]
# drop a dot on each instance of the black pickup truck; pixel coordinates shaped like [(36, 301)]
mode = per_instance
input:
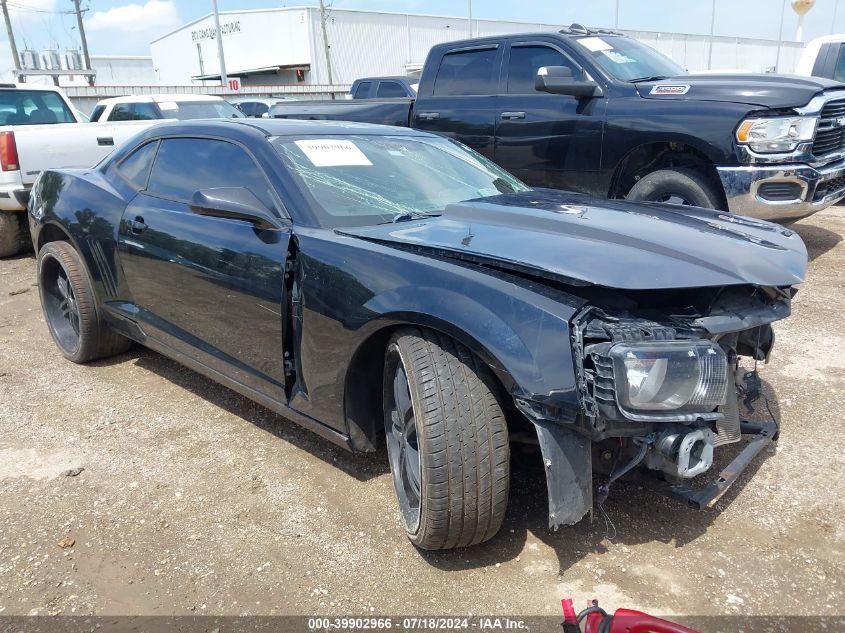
[(600, 113)]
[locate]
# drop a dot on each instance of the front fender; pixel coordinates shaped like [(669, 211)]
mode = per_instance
[(515, 340)]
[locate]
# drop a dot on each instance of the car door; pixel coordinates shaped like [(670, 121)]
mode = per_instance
[(207, 287), (462, 102), (546, 140)]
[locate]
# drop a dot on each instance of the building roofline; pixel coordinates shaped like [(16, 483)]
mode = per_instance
[(461, 18)]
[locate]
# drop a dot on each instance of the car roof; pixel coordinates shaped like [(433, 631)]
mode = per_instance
[(282, 127), (159, 98), (18, 86), (390, 78), (270, 100)]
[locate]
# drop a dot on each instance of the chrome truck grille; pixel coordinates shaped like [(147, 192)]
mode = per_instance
[(830, 135)]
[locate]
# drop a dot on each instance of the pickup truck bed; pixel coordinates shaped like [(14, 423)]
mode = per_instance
[(381, 111)]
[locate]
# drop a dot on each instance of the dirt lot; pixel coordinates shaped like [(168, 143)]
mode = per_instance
[(195, 500)]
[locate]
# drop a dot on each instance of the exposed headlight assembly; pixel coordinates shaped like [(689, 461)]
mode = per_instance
[(777, 134), (671, 376)]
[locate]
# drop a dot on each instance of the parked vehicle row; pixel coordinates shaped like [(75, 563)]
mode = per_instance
[(42, 130), (603, 114), (378, 283)]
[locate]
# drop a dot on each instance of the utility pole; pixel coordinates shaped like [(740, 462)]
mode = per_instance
[(12, 44), (835, 11), (780, 33), (224, 78), (712, 35), (84, 41), (616, 25), (323, 18), (469, 16)]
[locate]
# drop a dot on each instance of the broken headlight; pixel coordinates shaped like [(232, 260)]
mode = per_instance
[(682, 376)]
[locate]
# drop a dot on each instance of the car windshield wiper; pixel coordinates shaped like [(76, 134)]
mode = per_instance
[(413, 215), (649, 78)]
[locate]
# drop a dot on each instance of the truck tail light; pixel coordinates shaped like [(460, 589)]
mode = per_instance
[(8, 152)]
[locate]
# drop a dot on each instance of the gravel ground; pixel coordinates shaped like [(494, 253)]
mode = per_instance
[(195, 500)]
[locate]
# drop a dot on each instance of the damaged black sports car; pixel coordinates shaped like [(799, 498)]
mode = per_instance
[(373, 282)]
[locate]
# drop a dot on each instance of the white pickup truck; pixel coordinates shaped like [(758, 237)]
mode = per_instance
[(40, 129)]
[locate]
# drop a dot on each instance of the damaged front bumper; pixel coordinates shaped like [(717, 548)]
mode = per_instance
[(698, 498), (673, 448)]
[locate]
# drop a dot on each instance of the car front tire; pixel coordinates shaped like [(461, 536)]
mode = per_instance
[(70, 308), (447, 440)]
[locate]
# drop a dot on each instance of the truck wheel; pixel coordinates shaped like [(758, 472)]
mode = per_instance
[(70, 310), (14, 233), (447, 440), (675, 186)]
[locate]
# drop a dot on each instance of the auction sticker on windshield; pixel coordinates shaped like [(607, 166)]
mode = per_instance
[(330, 152), (594, 44)]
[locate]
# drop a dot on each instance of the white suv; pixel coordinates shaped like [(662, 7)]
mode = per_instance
[(164, 106)]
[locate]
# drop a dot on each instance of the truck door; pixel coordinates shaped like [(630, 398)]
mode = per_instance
[(546, 140), (461, 102), (211, 288)]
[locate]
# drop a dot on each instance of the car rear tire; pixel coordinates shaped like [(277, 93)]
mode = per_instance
[(70, 309), (14, 233), (676, 186), (447, 440)]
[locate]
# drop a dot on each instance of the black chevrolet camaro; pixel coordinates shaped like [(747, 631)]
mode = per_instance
[(371, 282)]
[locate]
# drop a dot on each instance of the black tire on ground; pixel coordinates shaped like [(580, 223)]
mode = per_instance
[(14, 233), (70, 310), (447, 440), (676, 186)]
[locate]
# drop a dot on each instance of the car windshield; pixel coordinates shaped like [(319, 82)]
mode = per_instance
[(184, 110), (362, 179), (627, 59), (33, 107)]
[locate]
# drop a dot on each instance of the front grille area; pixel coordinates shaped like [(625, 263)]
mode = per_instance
[(829, 187), (830, 136)]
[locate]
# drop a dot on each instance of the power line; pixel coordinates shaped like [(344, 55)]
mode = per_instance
[(23, 7)]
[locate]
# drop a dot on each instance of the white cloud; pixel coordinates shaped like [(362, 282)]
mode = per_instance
[(155, 14)]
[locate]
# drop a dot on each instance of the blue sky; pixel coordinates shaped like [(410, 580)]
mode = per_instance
[(126, 27)]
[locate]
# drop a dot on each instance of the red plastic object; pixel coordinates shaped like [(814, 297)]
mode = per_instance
[(629, 621)]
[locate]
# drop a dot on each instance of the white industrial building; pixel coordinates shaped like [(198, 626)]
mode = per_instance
[(286, 46)]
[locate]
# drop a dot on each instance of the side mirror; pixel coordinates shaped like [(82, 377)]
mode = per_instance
[(558, 80), (233, 203)]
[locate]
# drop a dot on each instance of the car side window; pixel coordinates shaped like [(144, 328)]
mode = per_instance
[(247, 107), (121, 112), (363, 90), (526, 60), (390, 89), (144, 112), (136, 167), (183, 166), (261, 109), (466, 73), (839, 69)]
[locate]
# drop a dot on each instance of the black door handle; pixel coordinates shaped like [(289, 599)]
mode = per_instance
[(428, 116), (138, 225), (105, 140), (510, 116)]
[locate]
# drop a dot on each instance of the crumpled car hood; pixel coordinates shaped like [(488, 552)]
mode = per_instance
[(616, 244)]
